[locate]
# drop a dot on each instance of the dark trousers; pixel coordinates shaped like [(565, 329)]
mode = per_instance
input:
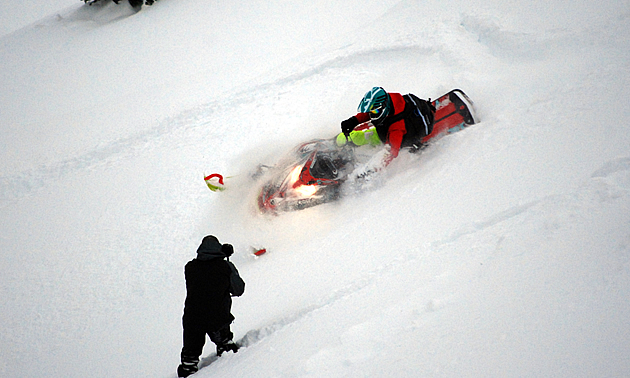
[(195, 339)]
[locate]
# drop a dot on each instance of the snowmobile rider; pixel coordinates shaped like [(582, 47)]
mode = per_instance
[(398, 121), (211, 280)]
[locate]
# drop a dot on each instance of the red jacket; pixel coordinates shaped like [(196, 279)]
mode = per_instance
[(396, 130)]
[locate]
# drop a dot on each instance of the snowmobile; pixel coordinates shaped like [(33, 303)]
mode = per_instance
[(311, 175), (314, 172)]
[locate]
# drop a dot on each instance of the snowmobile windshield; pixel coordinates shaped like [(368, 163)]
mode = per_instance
[(324, 168)]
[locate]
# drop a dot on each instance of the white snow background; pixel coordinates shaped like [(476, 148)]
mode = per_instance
[(500, 251)]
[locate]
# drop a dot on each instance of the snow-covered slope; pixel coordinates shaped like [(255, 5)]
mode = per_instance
[(502, 250)]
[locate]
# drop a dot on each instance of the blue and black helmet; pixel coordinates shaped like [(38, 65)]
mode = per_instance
[(376, 103)]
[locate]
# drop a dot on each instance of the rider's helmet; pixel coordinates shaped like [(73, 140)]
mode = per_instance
[(376, 103)]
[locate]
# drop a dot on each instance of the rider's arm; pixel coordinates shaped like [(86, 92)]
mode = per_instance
[(394, 139), (362, 117)]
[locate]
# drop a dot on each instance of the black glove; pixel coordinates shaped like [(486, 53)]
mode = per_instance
[(348, 125), (227, 249)]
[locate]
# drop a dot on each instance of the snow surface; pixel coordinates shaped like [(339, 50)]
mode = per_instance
[(502, 250)]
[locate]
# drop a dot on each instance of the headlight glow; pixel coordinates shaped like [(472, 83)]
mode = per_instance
[(306, 190)]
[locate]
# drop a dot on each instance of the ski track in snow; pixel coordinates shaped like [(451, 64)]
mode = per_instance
[(254, 336), (489, 222), (614, 185), (612, 167)]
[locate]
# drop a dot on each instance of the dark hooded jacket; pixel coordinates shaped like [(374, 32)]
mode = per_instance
[(208, 302)]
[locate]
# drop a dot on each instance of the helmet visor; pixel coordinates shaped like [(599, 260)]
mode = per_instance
[(376, 111)]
